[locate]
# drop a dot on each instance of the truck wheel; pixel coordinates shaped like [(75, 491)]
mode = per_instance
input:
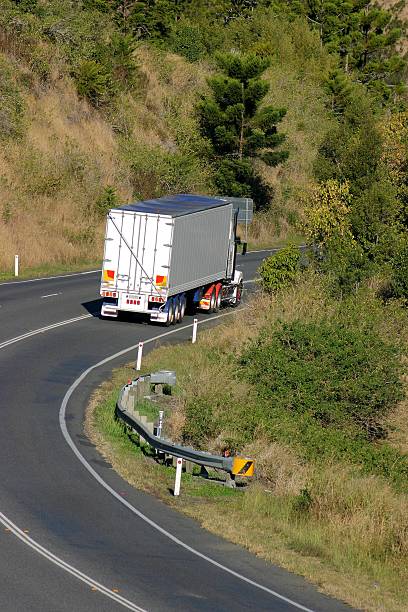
[(213, 301), (177, 310), (218, 300), (238, 296), (182, 308), (170, 314)]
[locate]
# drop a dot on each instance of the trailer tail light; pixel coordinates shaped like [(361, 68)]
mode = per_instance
[(136, 302), (157, 298), (109, 294), (108, 275), (161, 281)]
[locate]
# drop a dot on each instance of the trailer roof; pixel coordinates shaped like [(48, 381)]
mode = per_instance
[(176, 205)]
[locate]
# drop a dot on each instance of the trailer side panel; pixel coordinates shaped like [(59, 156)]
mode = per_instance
[(200, 248)]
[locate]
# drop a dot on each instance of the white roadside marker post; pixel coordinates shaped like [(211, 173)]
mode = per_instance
[(178, 476), (160, 426), (15, 265), (139, 356), (195, 325)]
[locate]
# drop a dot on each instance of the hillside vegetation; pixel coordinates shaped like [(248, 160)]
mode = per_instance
[(302, 106), (313, 388), (99, 106)]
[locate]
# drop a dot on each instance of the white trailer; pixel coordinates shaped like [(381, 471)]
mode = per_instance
[(163, 256)]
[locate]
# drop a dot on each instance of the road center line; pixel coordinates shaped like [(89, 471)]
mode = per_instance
[(51, 295), (42, 330)]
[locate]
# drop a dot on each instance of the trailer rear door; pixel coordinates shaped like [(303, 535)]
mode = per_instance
[(137, 252)]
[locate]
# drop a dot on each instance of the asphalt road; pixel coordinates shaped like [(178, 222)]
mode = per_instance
[(66, 542)]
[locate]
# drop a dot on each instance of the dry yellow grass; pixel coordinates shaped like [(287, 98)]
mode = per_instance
[(51, 178)]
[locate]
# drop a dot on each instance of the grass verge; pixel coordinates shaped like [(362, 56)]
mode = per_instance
[(51, 270), (343, 530)]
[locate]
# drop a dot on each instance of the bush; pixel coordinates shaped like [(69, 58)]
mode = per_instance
[(399, 283), (186, 40), (200, 426), (156, 172), (345, 263), (94, 82), (280, 269), (336, 374), (11, 104), (107, 200)]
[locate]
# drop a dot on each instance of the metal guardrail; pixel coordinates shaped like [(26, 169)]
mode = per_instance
[(125, 411)]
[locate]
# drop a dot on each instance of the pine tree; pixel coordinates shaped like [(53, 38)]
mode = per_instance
[(238, 129), (364, 38), (339, 88)]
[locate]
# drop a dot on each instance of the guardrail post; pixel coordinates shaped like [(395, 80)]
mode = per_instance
[(195, 325), (177, 482), (15, 265), (139, 356)]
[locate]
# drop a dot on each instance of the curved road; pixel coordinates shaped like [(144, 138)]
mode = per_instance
[(67, 543)]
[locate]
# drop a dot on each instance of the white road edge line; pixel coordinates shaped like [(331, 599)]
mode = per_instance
[(135, 511), (65, 566), (251, 281), (33, 280), (41, 330), (42, 278), (53, 558)]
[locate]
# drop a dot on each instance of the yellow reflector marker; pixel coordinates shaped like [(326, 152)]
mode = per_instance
[(161, 281), (108, 275), (242, 466)]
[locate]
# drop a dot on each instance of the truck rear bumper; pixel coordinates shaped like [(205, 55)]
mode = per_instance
[(109, 310), (158, 316)]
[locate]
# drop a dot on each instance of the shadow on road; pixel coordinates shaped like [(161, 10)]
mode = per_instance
[(94, 308)]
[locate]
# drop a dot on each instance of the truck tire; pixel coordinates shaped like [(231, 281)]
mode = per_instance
[(182, 308), (218, 300), (213, 301), (177, 310), (238, 297), (170, 314)]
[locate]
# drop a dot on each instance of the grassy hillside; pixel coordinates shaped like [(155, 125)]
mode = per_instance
[(330, 493), (65, 159)]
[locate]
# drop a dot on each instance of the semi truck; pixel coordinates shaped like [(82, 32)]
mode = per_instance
[(165, 256)]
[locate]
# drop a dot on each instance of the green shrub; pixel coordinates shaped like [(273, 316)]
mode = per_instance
[(346, 264), (186, 40), (107, 200), (302, 503), (94, 82), (338, 375), (280, 269), (399, 283), (11, 104), (156, 172)]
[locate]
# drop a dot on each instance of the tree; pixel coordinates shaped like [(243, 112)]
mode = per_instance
[(371, 155), (240, 132), (364, 37), (339, 89), (394, 157), (328, 212)]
